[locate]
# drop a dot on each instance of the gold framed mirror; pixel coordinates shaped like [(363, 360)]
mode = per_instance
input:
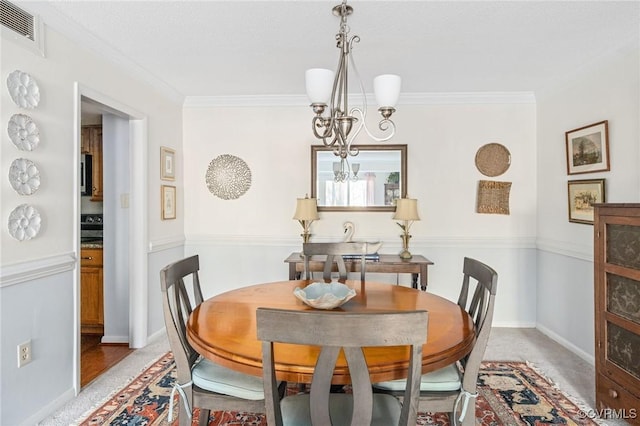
[(370, 181)]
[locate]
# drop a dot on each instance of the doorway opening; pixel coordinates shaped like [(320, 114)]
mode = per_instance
[(111, 142)]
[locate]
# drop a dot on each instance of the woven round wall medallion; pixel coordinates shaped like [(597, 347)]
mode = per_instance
[(228, 177), (493, 159)]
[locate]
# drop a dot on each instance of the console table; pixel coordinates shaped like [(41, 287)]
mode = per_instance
[(388, 263)]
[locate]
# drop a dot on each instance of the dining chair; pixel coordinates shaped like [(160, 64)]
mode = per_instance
[(200, 382), (452, 389), (333, 332), (335, 252)]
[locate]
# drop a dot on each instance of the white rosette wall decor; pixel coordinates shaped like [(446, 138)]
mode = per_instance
[(24, 222), (23, 132), (23, 89), (228, 177), (24, 176)]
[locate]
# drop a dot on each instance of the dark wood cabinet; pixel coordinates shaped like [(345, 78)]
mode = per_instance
[(91, 291), (91, 143), (617, 308)]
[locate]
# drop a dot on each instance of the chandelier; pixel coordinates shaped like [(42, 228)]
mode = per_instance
[(340, 126)]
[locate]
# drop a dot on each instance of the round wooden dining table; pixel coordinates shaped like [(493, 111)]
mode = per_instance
[(223, 329)]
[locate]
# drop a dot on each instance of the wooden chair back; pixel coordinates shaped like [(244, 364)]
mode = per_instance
[(335, 253), (177, 306), (480, 307), (348, 331)]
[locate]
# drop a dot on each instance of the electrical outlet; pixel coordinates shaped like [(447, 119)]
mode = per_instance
[(24, 353)]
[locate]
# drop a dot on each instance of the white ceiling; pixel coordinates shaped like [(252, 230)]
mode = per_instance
[(228, 48)]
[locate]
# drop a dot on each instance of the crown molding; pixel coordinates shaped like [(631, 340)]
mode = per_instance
[(451, 98), (75, 32), (52, 18)]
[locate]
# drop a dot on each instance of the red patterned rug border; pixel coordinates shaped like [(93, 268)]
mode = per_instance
[(504, 387)]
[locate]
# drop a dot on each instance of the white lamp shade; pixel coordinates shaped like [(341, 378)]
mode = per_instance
[(406, 209), (306, 209), (319, 84), (387, 89)]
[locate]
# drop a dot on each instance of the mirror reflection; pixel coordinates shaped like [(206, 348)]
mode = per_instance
[(369, 181)]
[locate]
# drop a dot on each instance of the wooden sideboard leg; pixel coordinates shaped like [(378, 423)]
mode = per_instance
[(423, 277), (292, 271), (414, 281)]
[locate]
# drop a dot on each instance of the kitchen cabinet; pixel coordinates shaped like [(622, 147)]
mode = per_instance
[(91, 143), (617, 308), (91, 291)]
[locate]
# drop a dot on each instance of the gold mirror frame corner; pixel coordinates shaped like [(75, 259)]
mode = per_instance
[(390, 147)]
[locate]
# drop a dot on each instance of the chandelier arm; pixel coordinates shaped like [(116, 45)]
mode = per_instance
[(385, 125), (319, 122), (363, 111)]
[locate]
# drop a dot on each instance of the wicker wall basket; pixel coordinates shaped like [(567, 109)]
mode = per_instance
[(493, 159), (493, 197)]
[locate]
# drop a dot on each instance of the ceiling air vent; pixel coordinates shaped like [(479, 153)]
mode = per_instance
[(25, 27)]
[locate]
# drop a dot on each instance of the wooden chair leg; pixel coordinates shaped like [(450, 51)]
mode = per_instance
[(203, 419)]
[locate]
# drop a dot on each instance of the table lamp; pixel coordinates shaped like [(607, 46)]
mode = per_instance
[(306, 213), (407, 212)]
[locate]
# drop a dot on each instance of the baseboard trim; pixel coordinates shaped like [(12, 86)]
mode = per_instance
[(51, 407), (157, 335), (115, 339), (567, 344), (513, 324)]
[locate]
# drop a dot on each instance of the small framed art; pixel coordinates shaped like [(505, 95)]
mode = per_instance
[(167, 163), (588, 148), (168, 197), (582, 195)]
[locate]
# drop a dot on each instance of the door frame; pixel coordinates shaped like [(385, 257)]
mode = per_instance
[(138, 210)]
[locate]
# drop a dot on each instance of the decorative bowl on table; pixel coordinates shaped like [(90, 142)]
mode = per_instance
[(322, 295)]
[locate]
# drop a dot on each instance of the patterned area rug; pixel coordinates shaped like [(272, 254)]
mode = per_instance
[(509, 393)]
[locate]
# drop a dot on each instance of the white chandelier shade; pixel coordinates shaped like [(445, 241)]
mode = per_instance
[(386, 88), (319, 83)]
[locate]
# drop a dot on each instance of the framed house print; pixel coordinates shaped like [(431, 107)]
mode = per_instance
[(167, 163), (588, 148), (168, 197), (582, 195)]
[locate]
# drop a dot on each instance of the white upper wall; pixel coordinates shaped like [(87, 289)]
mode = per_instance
[(609, 90), (442, 143), (64, 65)]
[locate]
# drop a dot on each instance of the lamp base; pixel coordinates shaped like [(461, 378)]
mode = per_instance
[(306, 236), (404, 254)]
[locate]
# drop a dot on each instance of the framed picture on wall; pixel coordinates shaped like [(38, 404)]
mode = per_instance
[(582, 195), (168, 197), (167, 163), (588, 148)]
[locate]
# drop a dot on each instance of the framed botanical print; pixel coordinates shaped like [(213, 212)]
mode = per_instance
[(167, 163), (168, 197), (588, 148), (582, 195)]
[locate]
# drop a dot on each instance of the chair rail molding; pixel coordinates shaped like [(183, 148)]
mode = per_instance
[(390, 243), (166, 243), (564, 248), (30, 270)]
